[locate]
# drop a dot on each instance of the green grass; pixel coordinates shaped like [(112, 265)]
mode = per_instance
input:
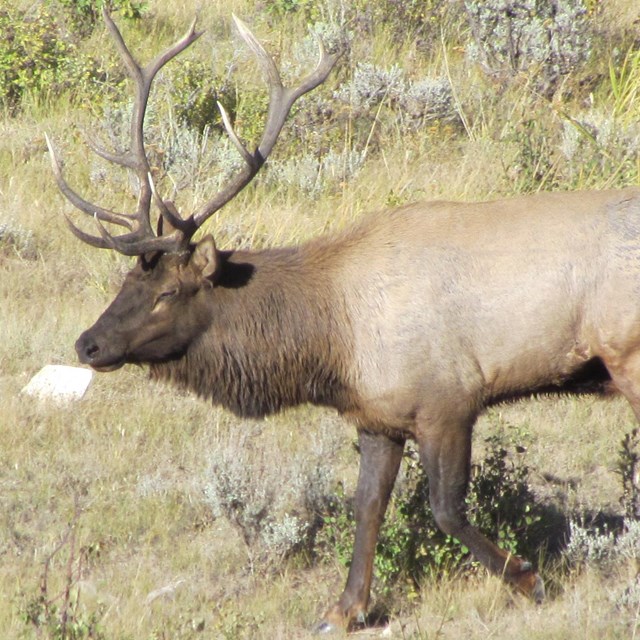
[(129, 464)]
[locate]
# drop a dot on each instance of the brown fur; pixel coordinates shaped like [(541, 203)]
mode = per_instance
[(274, 341), (410, 324)]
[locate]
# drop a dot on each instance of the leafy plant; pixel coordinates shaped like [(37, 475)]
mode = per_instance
[(196, 92), (629, 470), (33, 52), (335, 537), (39, 52), (59, 616), (85, 14), (501, 503), (411, 546), (282, 8)]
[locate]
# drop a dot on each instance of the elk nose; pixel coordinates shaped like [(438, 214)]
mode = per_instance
[(86, 348)]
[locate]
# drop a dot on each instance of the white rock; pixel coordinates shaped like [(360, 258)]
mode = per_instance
[(59, 383)]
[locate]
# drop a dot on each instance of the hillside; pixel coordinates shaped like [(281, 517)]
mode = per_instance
[(115, 517)]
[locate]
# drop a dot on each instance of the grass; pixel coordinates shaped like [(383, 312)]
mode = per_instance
[(129, 465)]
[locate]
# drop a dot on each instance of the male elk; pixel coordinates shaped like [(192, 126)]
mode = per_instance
[(409, 324)]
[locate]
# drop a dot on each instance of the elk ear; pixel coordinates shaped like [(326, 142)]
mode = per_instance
[(204, 258)]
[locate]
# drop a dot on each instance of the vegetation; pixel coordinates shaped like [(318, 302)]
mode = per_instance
[(412, 548), (143, 513)]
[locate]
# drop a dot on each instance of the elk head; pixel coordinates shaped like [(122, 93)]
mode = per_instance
[(148, 320)]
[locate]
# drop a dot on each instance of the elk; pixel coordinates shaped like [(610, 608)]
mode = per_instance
[(409, 324)]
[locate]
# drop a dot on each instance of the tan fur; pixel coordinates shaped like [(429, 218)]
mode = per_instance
[(410, 323)]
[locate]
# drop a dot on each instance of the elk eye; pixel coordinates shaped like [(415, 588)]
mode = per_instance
[(166, 295)]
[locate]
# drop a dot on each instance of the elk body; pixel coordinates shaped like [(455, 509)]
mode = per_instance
[(409, 324)]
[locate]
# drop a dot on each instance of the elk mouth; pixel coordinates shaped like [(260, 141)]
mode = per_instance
[(102, 365), (106, 368)]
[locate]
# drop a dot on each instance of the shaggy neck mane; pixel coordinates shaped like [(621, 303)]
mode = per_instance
[(275, 338)]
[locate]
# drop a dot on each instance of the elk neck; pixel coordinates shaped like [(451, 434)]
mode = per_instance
[(276, 336)]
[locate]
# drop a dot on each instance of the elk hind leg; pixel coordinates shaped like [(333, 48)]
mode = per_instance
[(625, 375), (445, 451), (380, 458)]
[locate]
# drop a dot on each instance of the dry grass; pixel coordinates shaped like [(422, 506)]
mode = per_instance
[(133, 456)]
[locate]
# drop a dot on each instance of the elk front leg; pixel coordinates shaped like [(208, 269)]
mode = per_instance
[(445, 451), (380, 459)]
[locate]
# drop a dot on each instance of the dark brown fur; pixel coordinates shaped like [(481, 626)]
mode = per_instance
[(274, 341)]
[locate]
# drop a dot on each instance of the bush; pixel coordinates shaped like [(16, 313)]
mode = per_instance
[(33, 53), (312, 175), (607, 549), (196, 92), (293, 508), (417, 100), (15, 240), (545, 40), (85, 14), (602, 548), (274, 507), (419, 22), (412, 547), (39, 51), (629, 470)]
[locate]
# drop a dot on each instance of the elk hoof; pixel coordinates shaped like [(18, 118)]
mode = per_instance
[(325, 628), (337, 622)]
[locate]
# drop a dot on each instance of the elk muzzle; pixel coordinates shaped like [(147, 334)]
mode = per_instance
[(99, 357)]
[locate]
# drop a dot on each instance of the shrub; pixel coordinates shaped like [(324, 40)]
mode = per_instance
[(546, 40), (39, 50), (411, 546), (605, 549), (417, 21), (629, 470), (15, 240), (533, 166), (196, 91), (274, 507), (386, 97), (33, 52), (370, 85), (602, 549), (292, 508), (85, 14), (595, 144), (312, 175)]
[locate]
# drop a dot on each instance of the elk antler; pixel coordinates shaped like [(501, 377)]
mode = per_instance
[(140, 238)]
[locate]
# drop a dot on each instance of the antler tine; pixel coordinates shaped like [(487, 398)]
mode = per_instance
[(281, 100), (140, 237), (143, 78), (78, 201), (242, 150), (136, 158), (169, 212)]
